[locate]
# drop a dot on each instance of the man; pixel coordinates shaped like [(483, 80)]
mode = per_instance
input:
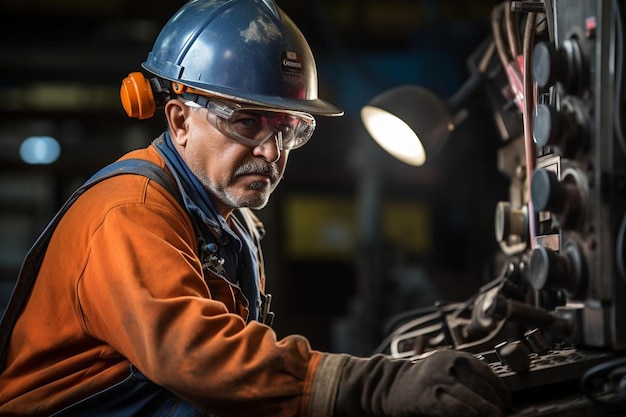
[(150, 302)]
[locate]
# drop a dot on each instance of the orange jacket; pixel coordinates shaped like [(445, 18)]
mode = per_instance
[(121, 282)]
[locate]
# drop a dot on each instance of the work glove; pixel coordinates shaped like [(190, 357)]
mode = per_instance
[(447, 383)]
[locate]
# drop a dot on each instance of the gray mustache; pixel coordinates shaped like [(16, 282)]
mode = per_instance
[(259, 168)]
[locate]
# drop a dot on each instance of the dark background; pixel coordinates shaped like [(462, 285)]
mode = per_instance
[(354, 236)]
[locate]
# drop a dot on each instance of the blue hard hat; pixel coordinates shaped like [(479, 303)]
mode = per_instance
[(247, 50)]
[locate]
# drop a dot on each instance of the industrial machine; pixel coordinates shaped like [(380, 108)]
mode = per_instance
[(552, 324)]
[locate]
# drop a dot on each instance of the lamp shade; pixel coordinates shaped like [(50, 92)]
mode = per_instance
[(409, 122)]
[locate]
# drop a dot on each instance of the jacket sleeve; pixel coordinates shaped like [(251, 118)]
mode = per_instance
[(142, 291), (325, 385)]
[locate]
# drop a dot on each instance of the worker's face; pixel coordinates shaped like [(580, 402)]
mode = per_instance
[(235, 175)]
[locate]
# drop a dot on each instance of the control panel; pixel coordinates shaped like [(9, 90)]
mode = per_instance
[(552, 324)]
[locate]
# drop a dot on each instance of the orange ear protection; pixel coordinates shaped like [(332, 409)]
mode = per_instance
[(141, 96), (137, 96)]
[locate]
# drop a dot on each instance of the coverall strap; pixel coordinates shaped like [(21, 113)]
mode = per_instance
[(30, 267)]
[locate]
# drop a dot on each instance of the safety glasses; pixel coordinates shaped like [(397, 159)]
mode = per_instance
[(253, 126)]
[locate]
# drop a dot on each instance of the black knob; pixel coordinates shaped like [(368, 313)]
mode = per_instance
[(546, 64), (546, 191), (564, 65), (547, 126), (565, 199), (549, 270), (515, 355), (537, 341), (558, 128)]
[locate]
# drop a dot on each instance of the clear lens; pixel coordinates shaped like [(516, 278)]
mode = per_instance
[(253, 126)]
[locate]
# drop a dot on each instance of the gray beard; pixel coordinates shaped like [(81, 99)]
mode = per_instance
[(258, 200)]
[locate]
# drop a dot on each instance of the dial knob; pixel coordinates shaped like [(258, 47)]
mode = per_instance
[(549, 270), (546, 190), (546, 64), (547, 127), (510, 222), (564, 199), (537, 341), (559, 128), (514, 354), (564, 65)]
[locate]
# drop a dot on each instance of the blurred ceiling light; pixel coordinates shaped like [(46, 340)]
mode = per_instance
[(40, 150)]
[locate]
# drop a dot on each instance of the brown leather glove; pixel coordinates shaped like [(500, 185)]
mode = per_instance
[(448, 383)]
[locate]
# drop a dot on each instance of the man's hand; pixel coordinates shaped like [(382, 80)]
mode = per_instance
[(448, 383)]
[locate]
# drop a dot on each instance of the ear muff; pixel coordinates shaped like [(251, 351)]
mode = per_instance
[(137, 96)]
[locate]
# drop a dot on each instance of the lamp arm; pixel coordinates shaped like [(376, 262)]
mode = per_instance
[(467, 89), (473, 82)]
